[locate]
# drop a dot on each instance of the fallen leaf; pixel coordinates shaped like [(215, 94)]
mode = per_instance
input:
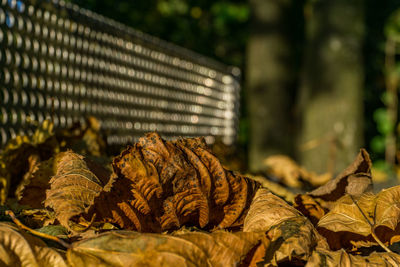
[(124, 248), (354, 180), (290, 173), (21, 249), (360, 218), (162, 185), (309, 207), (340, 258), (292, 235), (54, 230), (14, 158), (36, 218), (32, 190), (74, 186), (275, 188)]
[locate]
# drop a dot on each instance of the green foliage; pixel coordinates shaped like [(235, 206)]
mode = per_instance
[(382, 22), (383, 123), (188, 23)]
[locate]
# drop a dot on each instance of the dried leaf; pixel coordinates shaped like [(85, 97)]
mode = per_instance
[(162, 185), (292, 236), (36, 218), (266, 211), (355, 219), (309, 207), (123, 248), (84, 139), (32, 191), (20, 249), (354, 180), (290, 173), (326, 258), (14, 158), (73, 189), (275, 188)]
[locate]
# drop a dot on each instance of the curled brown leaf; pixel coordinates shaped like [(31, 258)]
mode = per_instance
[(162, 185), (354, 180), (292, 236), (74, 186)]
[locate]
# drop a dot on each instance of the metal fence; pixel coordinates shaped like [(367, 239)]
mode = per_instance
[(63, 62)]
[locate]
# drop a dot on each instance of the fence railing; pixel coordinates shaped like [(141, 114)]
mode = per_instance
[(65, 63)]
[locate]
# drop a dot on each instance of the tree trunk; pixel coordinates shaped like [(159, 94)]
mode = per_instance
[(270, 81), (330, 100)]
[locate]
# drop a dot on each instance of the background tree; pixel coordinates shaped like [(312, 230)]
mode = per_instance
[(330, 103), (220, 29), (271, 79)]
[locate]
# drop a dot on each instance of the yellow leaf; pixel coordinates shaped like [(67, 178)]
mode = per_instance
[(124, 248), (354, 180), (360, 218), (292, 236), (291, 174), (20, 249), (275, 188), (340, 258), (74, 186), (14, 158)]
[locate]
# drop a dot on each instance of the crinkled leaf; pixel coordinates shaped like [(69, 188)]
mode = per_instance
[(74, 187), (354, 180), (162, 185), (292, 236), (266, 211)]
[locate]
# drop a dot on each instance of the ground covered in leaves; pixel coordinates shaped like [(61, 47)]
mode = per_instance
[(64, 202)]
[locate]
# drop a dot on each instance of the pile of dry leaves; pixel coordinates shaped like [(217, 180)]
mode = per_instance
[(172, 203)]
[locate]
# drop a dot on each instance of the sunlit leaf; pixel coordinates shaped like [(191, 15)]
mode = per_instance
[(340, 258), (291, 174), (163, 185), (20, 249), (359, 218), (74, 186), (354, 180), (293, 237), (123, 248)]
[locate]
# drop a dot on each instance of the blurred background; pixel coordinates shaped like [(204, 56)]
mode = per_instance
[(320, 77)]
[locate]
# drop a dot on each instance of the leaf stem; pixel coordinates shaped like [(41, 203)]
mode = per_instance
[(34, 232), (379, 241)]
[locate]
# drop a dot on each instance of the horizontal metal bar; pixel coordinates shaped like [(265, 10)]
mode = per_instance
[(63, 62)]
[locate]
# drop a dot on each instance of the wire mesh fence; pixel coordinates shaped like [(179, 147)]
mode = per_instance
[(64, 63)]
